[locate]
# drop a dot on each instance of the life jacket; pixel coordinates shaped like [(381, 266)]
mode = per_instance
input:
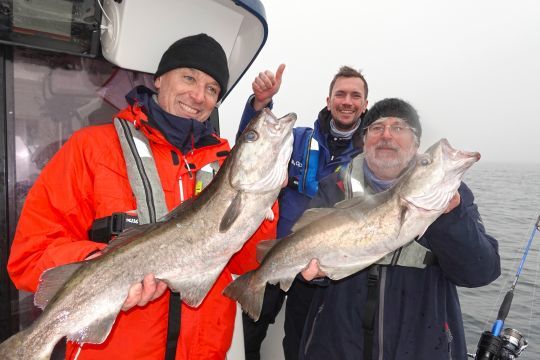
[(151, 206)]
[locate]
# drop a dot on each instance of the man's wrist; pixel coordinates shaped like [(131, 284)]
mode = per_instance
[(259, 105)]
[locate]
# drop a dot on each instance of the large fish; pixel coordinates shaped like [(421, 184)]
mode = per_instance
[(187, 250), (358, 232)]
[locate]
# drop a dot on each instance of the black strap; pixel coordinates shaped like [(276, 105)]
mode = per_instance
[(103, 229), (368, 317), (173, 328), (430, 259)]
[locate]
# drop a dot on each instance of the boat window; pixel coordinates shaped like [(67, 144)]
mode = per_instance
[(54, 96)]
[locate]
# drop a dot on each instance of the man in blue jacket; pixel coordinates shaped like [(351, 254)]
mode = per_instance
[(406, 308), (334, 140)]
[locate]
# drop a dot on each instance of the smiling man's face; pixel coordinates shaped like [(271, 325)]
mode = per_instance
[(188, 93), (347, 101)]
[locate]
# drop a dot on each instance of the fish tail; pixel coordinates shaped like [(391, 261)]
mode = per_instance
[(16, 348), (248, 293)]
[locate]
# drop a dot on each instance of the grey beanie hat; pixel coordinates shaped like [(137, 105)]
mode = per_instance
[(199, 52), (393, 107)]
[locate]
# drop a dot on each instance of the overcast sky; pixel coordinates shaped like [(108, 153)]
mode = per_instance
[(470, 67)]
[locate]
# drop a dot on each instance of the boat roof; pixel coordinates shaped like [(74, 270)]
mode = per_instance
[(136, 33)]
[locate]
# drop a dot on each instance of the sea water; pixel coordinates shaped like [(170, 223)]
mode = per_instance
[(508, 197)]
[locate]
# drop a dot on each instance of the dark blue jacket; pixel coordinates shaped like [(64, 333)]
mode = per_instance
[(418, 308), (332, 153)]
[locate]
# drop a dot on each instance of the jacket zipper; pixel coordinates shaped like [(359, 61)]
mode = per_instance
[(181, 187), (382, 287), (180, 184), (310, 337)]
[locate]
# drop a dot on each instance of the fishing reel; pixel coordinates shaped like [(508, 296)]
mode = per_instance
[(508, 346)]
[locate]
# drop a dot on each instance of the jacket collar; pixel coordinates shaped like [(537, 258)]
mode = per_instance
[(322, 126)]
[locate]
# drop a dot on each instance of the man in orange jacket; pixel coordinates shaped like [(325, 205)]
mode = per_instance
[(88, 180)]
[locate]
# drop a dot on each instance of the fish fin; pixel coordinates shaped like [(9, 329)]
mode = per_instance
[(96, 333), (348, 203), (177, 211), (263, 247), (285, 284), (52, 280), (408, 217), (310, 216), (248, 294), (342, 271), (195, 290), (365, 202), (232, 213), (404, 213)]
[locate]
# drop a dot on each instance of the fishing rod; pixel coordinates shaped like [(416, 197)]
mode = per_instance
[(499, 344)]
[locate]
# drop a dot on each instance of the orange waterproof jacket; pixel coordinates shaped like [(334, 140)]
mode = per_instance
[(86, 180)]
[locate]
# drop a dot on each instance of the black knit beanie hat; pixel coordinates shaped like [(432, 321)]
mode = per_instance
[(199, 52), (393, 107)]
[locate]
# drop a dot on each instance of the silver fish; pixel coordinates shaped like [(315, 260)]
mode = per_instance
[(358, 232), (188, 249)]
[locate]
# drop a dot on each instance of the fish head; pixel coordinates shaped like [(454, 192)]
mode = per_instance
[(262, 153), (435, 176)]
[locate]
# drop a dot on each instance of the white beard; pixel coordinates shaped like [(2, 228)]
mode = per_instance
[(389, 166)]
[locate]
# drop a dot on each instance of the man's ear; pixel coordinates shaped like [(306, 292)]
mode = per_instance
[(157, 82)]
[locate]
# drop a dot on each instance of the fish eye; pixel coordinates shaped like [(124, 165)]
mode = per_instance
[(425, 161), (251, 136)]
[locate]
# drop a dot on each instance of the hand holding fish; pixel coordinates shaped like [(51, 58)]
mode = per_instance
[(265, 86), (454, 202), (312, 271), (142, 293)]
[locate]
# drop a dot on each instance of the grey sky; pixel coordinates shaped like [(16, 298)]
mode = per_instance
[(470, 67)]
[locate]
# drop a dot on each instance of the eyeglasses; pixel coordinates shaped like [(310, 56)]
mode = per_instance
[(395, 129)]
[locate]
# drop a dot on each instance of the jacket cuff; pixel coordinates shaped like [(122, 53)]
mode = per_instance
[(252, 98), (322, 281)]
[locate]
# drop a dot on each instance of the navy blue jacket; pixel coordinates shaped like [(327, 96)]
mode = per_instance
[(418, 308), (332, 153)]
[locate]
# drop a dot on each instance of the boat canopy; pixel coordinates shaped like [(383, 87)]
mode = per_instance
[(135, 33)]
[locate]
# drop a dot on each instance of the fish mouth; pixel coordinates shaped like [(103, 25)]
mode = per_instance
[(279, 173), (462, 159), (454, 163), (279, 125)]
